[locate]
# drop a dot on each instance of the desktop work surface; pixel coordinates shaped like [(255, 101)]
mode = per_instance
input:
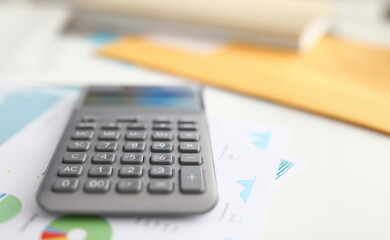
[(343, 190)]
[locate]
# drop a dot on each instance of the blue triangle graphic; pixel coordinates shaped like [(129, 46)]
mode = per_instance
[(262, 139), (247, 184)]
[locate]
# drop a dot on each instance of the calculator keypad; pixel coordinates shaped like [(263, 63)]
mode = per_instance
[(157, 156)]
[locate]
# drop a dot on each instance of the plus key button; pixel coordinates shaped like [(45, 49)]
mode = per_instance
[(191, 179)]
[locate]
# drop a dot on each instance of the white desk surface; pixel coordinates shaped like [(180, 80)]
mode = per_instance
[(342, 193)]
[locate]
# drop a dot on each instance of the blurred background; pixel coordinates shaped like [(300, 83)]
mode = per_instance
[(299, 53), (32, 31)]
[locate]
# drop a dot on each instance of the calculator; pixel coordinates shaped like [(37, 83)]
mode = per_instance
[(133, 150)]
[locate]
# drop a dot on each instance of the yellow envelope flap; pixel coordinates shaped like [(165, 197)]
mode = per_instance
[(339, 79)]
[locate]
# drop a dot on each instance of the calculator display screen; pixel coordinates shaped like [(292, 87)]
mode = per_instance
[(165, 97)]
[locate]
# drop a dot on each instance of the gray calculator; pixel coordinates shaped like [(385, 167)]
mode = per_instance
[(133, 150)]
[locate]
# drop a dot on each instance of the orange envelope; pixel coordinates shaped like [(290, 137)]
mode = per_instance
[(338, 79)]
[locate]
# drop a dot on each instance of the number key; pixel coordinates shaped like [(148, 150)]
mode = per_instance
[(161, 171), (132, 158), (161, 158), (97, 185), (65, 185), (130, 171), (134, 147), (104, 158), (106, 146), (100, 171), (162, 147)]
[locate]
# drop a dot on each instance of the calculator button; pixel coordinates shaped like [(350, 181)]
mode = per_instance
[(188, 136), (130, 171), (161, 158), (104, 158), (162, 120), (162, 126), (100, 171), (78, 146), (160, 186), (70, 171), (136, 135), (136, 126), (111, 126), (109, 135), (127, 119), (162, 136), (65, 185), (191, 180), (86, 125), (161, 171), (134, 147), (132, 158), (75, 157), (106, 146), (82, 135), (190, 159), (189, 147), (186, 120), (187, 126), (162, 147), (97, 185), (88, 119), (129, 186)]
